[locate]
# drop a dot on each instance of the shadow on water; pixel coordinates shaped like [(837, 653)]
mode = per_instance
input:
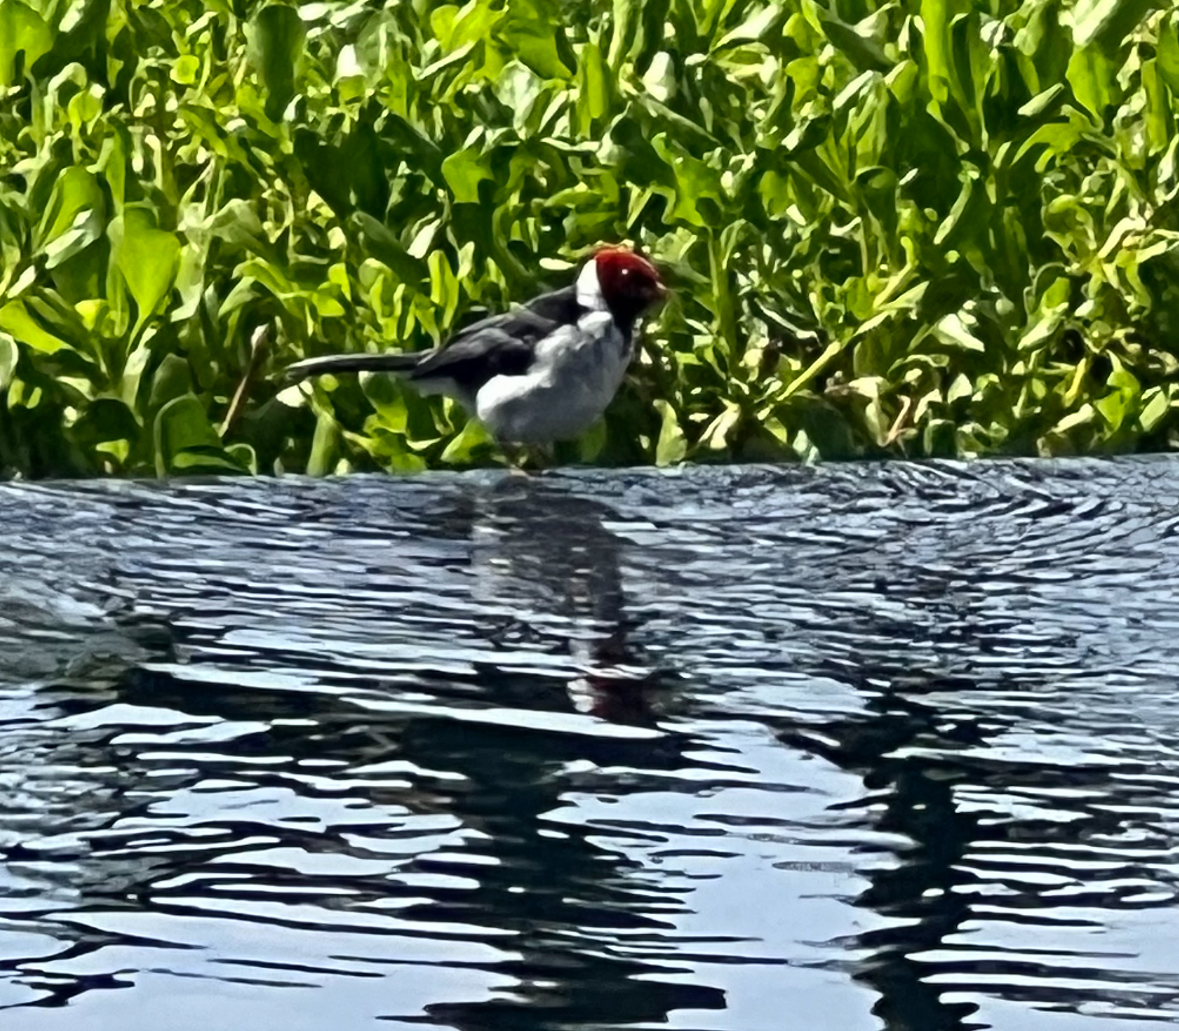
[(842, 748)]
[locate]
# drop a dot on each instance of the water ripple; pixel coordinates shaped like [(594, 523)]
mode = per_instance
[(893, 746)]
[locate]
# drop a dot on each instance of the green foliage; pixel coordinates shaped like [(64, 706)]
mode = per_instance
[(919, 227)]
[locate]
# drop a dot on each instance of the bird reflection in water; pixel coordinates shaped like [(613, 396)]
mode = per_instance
[(556, 560), (584, 918)]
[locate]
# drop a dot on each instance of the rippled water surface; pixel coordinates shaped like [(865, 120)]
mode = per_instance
[(839, 748)]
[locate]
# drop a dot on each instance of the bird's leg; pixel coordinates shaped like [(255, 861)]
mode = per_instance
[(523, 458), (516, 455), (544, 456)]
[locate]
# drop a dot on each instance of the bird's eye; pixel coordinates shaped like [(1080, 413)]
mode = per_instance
[(624, 272)]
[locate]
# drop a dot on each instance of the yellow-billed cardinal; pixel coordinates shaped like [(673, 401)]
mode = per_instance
[(543, 372)]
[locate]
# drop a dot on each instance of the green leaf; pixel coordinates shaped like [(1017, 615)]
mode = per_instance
[(956, 331), (22, 30), (9, 355), (672, 447), (716, 435), (444, 287), (1167, 55), (826, 428), (1047, 100), (16, 319), (1112, 408), (1107, 22), (1157, 405), (520, 89), (935, 16), (324, 446), (595, 94), (863, 51), (593, 443), (472, 442), (75, 217), (278, 36), (754, 29), (244, 457), (699, 190), (182, 423), (1093, 76), (206, 462), (173, 379), (1083, 416), (938, 439), (534, 30), (464, 171), (185, 70), (106, 419), (186, 442), (76, 190), (148, 258), (378, 240)]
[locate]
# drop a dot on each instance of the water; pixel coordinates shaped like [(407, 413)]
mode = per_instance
[(840, 748)]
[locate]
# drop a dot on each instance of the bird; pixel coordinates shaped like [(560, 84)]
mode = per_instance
[(538, 374)]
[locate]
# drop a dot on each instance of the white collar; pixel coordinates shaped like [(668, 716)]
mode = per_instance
[(589, 290)]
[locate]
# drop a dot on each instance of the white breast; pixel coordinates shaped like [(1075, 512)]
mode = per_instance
[(575, 375)]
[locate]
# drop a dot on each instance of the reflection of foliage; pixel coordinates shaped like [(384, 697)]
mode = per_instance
[(895, 226)]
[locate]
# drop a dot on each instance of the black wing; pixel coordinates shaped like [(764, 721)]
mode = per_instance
[(501, 345)]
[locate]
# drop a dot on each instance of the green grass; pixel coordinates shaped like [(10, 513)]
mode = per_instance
[(893, 227)]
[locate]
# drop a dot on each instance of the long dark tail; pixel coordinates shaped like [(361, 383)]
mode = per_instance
[(353, 363)]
